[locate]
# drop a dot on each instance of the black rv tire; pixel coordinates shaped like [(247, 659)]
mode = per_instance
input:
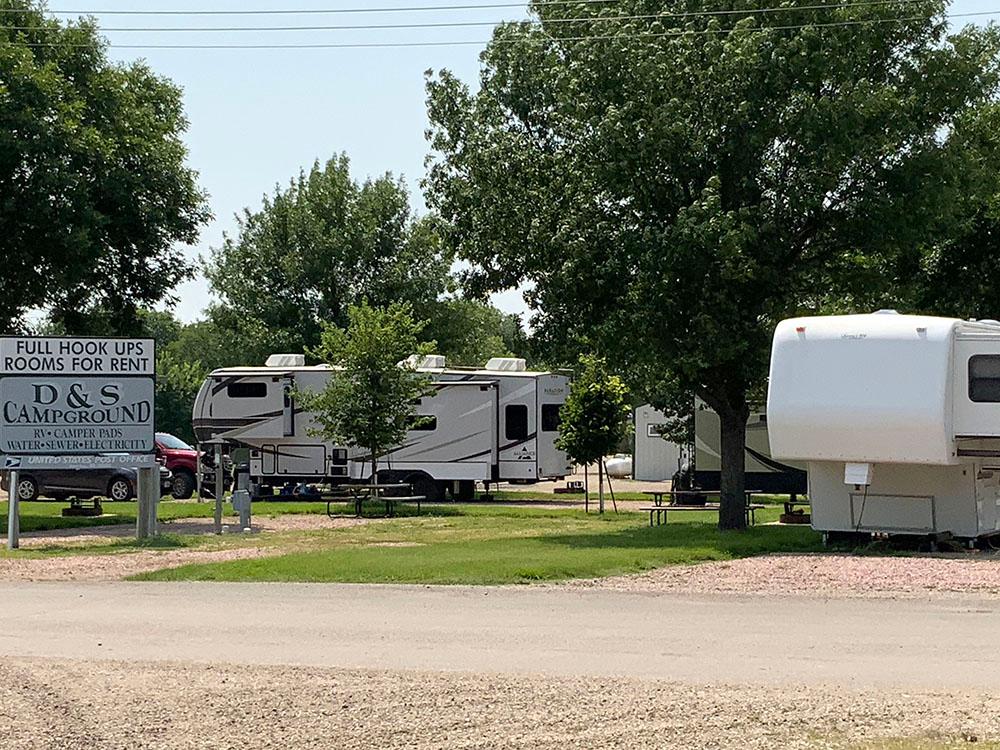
[(466, 491), (425, 485), (182, 485)]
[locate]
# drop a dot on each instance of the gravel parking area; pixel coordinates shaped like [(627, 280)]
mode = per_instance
[(110, 705), (822, 575)]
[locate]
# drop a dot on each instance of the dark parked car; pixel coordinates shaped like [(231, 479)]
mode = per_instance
[(61, 484)]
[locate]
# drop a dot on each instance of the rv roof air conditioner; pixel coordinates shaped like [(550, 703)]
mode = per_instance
[(286, 360), (507, 364), (425, 362)]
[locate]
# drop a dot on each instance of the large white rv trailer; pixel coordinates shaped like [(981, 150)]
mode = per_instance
[(493, 424), (763, 471), (898, 417)]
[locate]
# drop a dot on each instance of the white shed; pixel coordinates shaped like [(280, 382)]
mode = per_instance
[(914, 400), (655, 459)]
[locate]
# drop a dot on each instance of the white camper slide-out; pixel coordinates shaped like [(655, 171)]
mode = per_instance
[(897, 417), (498, 423)]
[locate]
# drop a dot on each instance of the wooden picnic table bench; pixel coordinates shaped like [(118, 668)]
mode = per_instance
[(391, 502), (658, 512), (361, 492)]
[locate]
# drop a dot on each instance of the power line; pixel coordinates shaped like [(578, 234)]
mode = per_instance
[(467, 24), (481, 42), (314, 11)]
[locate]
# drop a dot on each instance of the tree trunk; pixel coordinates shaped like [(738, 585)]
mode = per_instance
[(586, 488), (732, 479)]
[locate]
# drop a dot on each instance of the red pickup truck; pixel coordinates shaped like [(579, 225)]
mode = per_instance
[(182, 460)]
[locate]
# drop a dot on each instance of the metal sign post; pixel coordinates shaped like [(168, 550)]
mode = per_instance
[(219, 488), (13, 512), (148, 496)]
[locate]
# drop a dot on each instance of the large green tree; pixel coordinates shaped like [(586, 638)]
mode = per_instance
[(94, 190), (674, 177), (316, 247)]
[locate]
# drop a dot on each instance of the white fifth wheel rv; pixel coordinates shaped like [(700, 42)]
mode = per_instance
[(493, 424), (898, 417)]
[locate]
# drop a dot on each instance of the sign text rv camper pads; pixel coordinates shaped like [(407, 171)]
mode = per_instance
[(74, 396)]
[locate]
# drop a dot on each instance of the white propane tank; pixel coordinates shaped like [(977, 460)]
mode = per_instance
[(620, 466)]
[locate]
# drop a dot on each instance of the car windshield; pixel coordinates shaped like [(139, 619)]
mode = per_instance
[(172, 442)]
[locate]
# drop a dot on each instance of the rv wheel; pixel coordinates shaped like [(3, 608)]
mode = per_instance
[(426, 486), (466, 491)]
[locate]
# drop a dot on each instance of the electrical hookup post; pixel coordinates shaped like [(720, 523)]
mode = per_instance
[(78, 403)]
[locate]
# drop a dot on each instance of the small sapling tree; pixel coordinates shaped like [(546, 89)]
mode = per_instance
[(595, 417), (370, 399)]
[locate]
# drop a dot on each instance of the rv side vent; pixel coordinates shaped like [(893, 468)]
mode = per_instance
[(507, 364), (286, 360), (425, 362)]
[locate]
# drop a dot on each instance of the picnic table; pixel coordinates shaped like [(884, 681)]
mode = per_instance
[(384, 492), (659, 511)]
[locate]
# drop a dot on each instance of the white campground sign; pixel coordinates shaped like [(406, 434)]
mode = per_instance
[(76, 396)]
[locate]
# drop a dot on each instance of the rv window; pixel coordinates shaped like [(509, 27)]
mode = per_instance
[(550, 417), (517, 422), (247, 390), (984, 378), (423, 423), (654, 430)]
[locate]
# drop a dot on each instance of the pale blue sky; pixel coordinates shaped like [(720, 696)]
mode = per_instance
[(257, 116)]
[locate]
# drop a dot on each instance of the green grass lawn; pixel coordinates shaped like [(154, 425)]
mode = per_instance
[(494, 545), (481, 543)]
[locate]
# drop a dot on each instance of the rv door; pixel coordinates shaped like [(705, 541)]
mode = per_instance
[(551, 395), (288, 406)]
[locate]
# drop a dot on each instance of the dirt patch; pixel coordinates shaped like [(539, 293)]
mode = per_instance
[(113, 705), (820, 575), (117, 567), (111, 567), (187, 526)]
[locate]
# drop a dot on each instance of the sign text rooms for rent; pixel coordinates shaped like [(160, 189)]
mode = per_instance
[(76, 356)]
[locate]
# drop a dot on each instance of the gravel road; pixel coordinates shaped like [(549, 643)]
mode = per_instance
[(567, 633), (245, 666), (110, 705)]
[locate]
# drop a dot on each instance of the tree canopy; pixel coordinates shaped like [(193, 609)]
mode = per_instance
[(94, 190), (673, 184), (317, 247), (327, 242)]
